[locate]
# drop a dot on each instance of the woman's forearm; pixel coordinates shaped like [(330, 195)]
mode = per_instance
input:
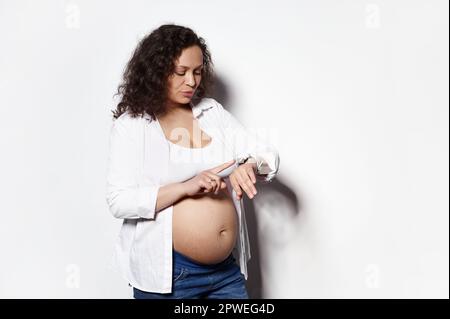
[(169, 194)]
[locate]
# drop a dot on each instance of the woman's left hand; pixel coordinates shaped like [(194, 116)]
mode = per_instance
[(243, 178)]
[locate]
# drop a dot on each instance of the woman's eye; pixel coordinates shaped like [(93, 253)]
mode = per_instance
[(185, 73)]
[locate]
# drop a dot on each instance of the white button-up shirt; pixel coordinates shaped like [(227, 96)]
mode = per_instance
[(138, 162)]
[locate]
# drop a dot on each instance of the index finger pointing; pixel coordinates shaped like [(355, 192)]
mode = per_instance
[(221, 167)]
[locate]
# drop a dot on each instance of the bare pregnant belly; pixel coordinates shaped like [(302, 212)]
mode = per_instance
[(205, 227)]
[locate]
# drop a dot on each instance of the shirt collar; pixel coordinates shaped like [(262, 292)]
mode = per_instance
[(197, 109)]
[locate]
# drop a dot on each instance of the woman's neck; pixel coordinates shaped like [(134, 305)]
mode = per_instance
[(175, 110)]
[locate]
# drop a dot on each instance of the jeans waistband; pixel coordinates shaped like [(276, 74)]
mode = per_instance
[(179, 258)]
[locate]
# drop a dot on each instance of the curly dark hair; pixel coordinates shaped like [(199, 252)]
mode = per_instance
[(144, 86)]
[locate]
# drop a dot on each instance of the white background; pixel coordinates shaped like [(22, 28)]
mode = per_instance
[(356, 92)]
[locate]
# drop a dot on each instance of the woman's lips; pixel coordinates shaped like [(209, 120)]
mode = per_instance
[(188, 94)]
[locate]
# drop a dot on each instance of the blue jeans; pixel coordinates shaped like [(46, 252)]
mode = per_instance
[(192, 280)]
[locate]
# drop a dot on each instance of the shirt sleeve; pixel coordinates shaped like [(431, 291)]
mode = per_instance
[(125, 197), (246, 144)]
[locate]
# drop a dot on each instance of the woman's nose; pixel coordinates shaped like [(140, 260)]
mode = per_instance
[(190, 80)]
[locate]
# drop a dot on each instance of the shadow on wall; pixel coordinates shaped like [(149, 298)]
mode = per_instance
[(276, 206)]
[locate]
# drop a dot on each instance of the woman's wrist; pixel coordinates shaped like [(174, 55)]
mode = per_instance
[(182, 189), (252, 161)]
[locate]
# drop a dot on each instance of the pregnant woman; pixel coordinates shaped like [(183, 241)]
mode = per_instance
[(179, 165)]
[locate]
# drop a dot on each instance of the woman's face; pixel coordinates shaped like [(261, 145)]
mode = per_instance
[(183, 83)]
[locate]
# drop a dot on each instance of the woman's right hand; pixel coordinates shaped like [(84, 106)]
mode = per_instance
[(207, 181)]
